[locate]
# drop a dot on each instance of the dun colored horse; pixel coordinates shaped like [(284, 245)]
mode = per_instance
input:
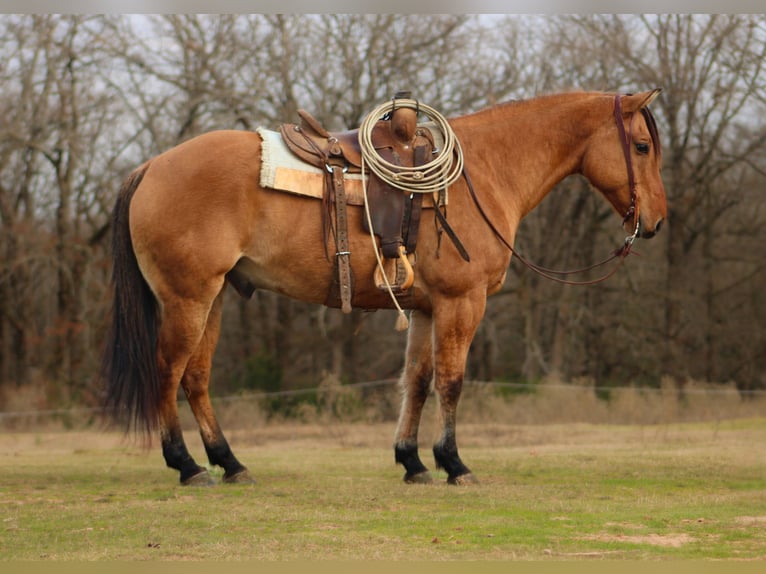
[(195, 217)]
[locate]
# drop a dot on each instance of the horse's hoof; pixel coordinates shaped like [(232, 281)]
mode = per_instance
[(202, 478), (241, 477), (463, 480), (419, 478)]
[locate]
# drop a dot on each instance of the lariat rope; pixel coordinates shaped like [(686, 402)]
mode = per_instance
[(441, 172)]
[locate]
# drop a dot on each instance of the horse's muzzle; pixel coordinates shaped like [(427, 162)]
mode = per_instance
[(649, 233)]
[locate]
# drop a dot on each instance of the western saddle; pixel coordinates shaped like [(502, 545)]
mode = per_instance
[(394, 214)]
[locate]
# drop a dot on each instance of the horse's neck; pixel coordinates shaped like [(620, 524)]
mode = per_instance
[(530, 145)]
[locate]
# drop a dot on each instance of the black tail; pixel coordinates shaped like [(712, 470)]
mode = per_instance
[(129, 365)]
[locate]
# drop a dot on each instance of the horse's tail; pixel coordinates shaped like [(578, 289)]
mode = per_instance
[(129, 365)]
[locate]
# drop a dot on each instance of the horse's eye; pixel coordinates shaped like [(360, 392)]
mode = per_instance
[(642, 148)]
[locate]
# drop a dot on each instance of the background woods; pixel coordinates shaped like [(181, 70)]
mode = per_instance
[(84, 99)]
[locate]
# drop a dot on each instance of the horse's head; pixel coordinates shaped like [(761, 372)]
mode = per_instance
[(623, 160)]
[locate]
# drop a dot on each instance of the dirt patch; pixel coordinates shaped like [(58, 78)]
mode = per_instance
[(667, 540), (626, 525), (751, 520)]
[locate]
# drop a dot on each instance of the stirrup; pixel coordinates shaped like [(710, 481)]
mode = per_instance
[(398, 272)]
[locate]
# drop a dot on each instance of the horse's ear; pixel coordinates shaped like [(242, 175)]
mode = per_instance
[(635, 102)]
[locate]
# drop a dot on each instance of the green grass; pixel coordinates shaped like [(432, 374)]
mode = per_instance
[(566, 492)]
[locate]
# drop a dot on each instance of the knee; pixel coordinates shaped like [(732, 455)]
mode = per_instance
[(449, 390)]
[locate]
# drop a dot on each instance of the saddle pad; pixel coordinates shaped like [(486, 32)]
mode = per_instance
[(283, 171)]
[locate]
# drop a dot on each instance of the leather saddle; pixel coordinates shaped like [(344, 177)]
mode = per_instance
[(399, 134), (395, 214)]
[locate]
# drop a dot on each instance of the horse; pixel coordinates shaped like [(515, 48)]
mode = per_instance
[(194, 218)]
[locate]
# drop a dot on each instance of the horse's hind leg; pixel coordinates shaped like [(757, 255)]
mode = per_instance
[(180, 332), (195, 383), (415, 383), (180, 348)]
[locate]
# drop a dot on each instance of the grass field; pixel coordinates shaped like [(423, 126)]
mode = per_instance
[(329, 490)]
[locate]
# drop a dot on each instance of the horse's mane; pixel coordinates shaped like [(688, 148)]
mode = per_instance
[(542, 100)]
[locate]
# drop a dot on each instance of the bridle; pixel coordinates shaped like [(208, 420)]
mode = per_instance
[(621, 252), (626, 139)]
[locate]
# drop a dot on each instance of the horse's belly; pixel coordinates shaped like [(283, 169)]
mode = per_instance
[(307, 283)]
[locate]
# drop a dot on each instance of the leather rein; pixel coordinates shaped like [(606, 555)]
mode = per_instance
[(621, 252)]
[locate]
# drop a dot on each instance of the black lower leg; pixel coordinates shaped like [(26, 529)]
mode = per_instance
[(406, 454), (447, 458), (177, 456), (219, 453)]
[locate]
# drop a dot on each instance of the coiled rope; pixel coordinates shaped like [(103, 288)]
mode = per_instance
[(441, 172)]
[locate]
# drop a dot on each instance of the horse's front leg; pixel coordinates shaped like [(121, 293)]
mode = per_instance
[(455, 324), (415, 384)]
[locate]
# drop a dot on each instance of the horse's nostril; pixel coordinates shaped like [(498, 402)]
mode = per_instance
[(653, 232)]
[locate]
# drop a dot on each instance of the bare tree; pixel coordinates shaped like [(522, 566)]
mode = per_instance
[(18, 164), (87, 98), (53, 161)]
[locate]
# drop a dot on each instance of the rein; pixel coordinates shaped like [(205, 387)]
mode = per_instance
[(621, 252)]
